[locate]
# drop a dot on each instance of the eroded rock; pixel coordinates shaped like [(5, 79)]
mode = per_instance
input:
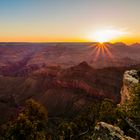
[(104, 131)]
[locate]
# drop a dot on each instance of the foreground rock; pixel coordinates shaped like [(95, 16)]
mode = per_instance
[(104, 131)]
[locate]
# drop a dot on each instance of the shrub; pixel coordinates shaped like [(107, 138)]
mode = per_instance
[(30, 123)]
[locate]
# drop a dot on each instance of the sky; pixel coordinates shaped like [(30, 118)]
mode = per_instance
[(68, 20)]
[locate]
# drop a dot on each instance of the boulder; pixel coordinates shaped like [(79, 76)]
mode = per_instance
[(104, 131)]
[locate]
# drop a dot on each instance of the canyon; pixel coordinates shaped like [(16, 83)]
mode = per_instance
[(64, 77)]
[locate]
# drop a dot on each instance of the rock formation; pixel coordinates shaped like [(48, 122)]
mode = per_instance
[(130, 79), (61, 90), (104, 131)]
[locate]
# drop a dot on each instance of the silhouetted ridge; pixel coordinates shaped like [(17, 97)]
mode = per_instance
[(83, 66), (120, 44)]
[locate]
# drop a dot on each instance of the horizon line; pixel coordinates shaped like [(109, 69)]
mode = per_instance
[(66, 42)]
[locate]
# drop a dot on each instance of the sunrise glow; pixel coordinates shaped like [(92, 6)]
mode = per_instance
[(107, 35)]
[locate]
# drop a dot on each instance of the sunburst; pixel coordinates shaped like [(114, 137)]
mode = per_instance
[(101, 51)]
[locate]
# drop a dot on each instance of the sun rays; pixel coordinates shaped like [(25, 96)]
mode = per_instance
[(101, 52)]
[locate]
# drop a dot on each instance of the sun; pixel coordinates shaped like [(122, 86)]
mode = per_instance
[(106, 35), (102, 36)]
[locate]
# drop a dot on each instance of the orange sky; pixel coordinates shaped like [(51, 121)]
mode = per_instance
[(127, 40)]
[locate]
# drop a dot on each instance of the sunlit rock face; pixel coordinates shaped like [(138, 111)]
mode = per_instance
[(104, 131), (130, 79)]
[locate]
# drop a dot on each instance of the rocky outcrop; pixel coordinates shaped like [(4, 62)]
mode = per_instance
[(104, 131), (130, 79)]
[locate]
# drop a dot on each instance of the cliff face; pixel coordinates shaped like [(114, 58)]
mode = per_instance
[(130, 79)]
